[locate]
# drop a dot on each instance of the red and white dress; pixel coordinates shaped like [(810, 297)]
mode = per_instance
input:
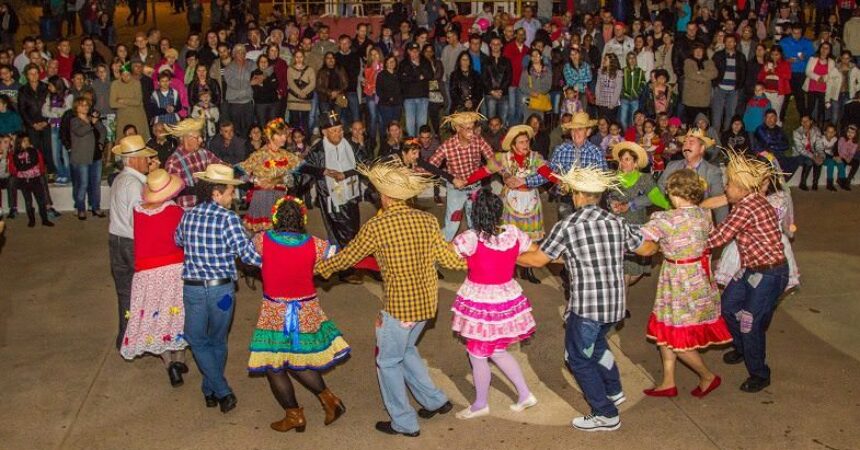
[(490, 311)]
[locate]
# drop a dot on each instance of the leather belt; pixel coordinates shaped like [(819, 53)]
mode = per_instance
[(208, 283), (764, 267)]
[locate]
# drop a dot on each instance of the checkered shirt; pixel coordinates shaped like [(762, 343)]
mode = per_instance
[(462, 160), (212, 238), (754, 224), (565, 156), (593, 243), (195, 162), (407, 244)]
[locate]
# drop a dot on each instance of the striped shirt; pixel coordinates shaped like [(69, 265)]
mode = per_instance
[(730, 76), (633, 84)]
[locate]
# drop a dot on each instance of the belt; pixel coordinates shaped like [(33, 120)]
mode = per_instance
[(704, 259), (764, 267), (208, 283)]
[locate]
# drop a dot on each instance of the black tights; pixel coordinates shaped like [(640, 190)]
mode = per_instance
[(282, 386)]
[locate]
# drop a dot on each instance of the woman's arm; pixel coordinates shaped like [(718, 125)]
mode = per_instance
[(715, 202)]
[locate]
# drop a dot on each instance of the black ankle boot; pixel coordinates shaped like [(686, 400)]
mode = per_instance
[(31, 217), (174, 373), (528, 274), (830, 186)]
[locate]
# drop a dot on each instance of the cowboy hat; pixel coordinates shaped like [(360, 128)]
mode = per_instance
[(161, 186), (579, 120), (700, 135), (394, 180), (512, 134), (641, 155), (589, 179), (133, 147), (218, 174)]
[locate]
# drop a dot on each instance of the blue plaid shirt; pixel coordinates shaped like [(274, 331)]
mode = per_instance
[(565, 156), (212, 237)]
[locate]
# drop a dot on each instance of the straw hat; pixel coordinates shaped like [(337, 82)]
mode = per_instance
[(512, 134), (218, 174), (133, 147), (589, 179), (161, 186), (465, 118), (747, 172), (186, 127), (700, 135), (641, 155), (393, 179), (579, 120)]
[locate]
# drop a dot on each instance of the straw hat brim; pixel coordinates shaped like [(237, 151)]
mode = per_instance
[(173, 188), (705, 140), (144, 152), (572, 125), (394, 180), (641, 154), (230, 181), (515, 131)]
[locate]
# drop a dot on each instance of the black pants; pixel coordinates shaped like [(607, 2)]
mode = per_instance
[(300, 119), (11, 192), (854, 164), (121, 251), (134, 10), (342, 225), (433, 116), (807, 166), (242, 116), (799, 94), (42, 141), (71, 19), (178, 5), (610, 114), (264, 112), (816, 107), (33, 188)]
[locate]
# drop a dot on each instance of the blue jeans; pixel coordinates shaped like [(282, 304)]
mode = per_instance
[(59, 154), (86, 181), (388, 114), (314, 114), (759, 298), (723, 106), (208, 313), (455, 201), (416, 114), (628, 107), (494, 107), (352, 108), (373, 113), (399, 365), (592, 363), (515, 106)]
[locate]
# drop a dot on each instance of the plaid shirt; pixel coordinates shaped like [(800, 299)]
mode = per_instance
[(755, 226), (212, 237), (407, 245), (593, 243), (565, 156), (462, 161), (195, 162)]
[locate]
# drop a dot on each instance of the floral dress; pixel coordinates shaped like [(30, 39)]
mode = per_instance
[(276, 167), (686, 312), (522, 205)]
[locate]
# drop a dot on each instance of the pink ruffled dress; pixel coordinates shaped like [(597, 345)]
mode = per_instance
[(490, 311)]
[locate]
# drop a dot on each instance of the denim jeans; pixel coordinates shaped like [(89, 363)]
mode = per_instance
[(515, 106), (86, 181), (388, 114), (352, 109), (373, 118), (314, 114), (208, 313), (628, 107), (59, 154), (723, 106), (592, 363), (455, 201), (416, 114), (399, 365), (757, 293), (496, 107)]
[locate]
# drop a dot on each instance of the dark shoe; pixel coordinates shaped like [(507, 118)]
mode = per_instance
[(803, 187), (47, 223), (99, 213), (386, 428), (332, 405), (375, 275), (351, 279), (427, 414), (211, 401), (439, 275), (814, 186), (31, 218), (53, 213), (294, 418), (13, 213), (227, 403), (82, 215), (831, 187), (733, 357), (755, 384), (529, 275), (182, 367), (175, 375)]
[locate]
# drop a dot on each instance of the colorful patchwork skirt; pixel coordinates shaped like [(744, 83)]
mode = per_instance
[(295, 334), (156, 317), (491, 317)]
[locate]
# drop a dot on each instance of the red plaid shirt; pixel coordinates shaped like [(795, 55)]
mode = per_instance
[(755, 226), (462, 160), (195, 162)]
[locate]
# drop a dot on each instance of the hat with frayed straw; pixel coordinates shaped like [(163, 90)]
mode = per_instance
[(641, 155), (589, 179), (579, 120), (465, 118), (747, 172), (515, 131), (161, 186), (186, 127), (700, 135), (394, 180), (218, 174), (133, 147)]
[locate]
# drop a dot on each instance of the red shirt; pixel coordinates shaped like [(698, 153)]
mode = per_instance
[(755, 226), (288, 264), (516, 56), (65, 64), (154, 245)]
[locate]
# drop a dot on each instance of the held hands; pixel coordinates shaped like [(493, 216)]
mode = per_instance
[(459, 183), (153, 163), (514, 182), (338, 176), (619, 207)]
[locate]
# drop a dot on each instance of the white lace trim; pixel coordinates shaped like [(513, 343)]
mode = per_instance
[(467, 242)]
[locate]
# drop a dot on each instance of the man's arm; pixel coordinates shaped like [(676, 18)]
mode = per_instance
[(726, 230), (534, 257), (445, 254), (717, 189), (239, 242), (648, 248), (362, 246)]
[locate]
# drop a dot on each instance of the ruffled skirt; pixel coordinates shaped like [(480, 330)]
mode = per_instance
[(156, 317), (259, 215), (688, 337), (491, 317)]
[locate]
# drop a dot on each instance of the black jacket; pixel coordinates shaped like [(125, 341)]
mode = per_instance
[(496, 74), (315, 166), (682, 50), (352, 64), (740, 68), (30, 103), (388, 89), (415, 79), (463, 87), (194, 92)]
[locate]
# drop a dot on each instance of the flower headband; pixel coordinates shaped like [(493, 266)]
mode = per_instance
[(302, 208)]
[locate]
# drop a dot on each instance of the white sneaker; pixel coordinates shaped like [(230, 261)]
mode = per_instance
[(596, 423), (618, 398), (525, 404), (469, 414)]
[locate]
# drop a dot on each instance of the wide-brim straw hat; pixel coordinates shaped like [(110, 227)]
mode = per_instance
[(186, 127), (463, 118), (641, 155), (512, 134), (161, 186), (579, 120), (218, 174), (747, 172), (589, 179), (700, 135), (133, 147), (394, 180)]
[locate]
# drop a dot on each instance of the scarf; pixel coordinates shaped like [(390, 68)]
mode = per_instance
[(341, 158)]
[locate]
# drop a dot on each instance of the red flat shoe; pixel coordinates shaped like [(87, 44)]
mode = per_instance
[(715, 383), (668, 392)]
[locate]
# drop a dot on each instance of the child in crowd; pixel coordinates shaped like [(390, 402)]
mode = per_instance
[(651, 142), (27, 166), (847, 156), (826, 148), (756, 106), (671, 139), (572, 104), (811, 158), (208, 112), (166, 100), (612, 138)]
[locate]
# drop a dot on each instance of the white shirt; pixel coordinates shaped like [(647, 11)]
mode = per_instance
[(620, 49), (125, 194), (21, 62)]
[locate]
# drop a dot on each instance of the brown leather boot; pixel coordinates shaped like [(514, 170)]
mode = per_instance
[(332, 405), (294, 418)]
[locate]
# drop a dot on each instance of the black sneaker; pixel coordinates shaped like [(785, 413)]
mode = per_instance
[(754, 384), (227, 403), (733, 357), (211, 401), (385, 427), (427, 414)]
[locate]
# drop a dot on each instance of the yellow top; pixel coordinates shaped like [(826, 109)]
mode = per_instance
[(269, 164)]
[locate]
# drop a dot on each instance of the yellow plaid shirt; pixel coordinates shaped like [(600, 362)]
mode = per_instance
[(407, 244)]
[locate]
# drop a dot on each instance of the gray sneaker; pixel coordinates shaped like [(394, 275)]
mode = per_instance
[(593, 422)]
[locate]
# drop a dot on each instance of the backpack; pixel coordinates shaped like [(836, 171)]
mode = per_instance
[(66, 128)]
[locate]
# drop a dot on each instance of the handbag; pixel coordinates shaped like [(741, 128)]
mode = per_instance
[(539, 102), (435, 95), (341, 101)]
